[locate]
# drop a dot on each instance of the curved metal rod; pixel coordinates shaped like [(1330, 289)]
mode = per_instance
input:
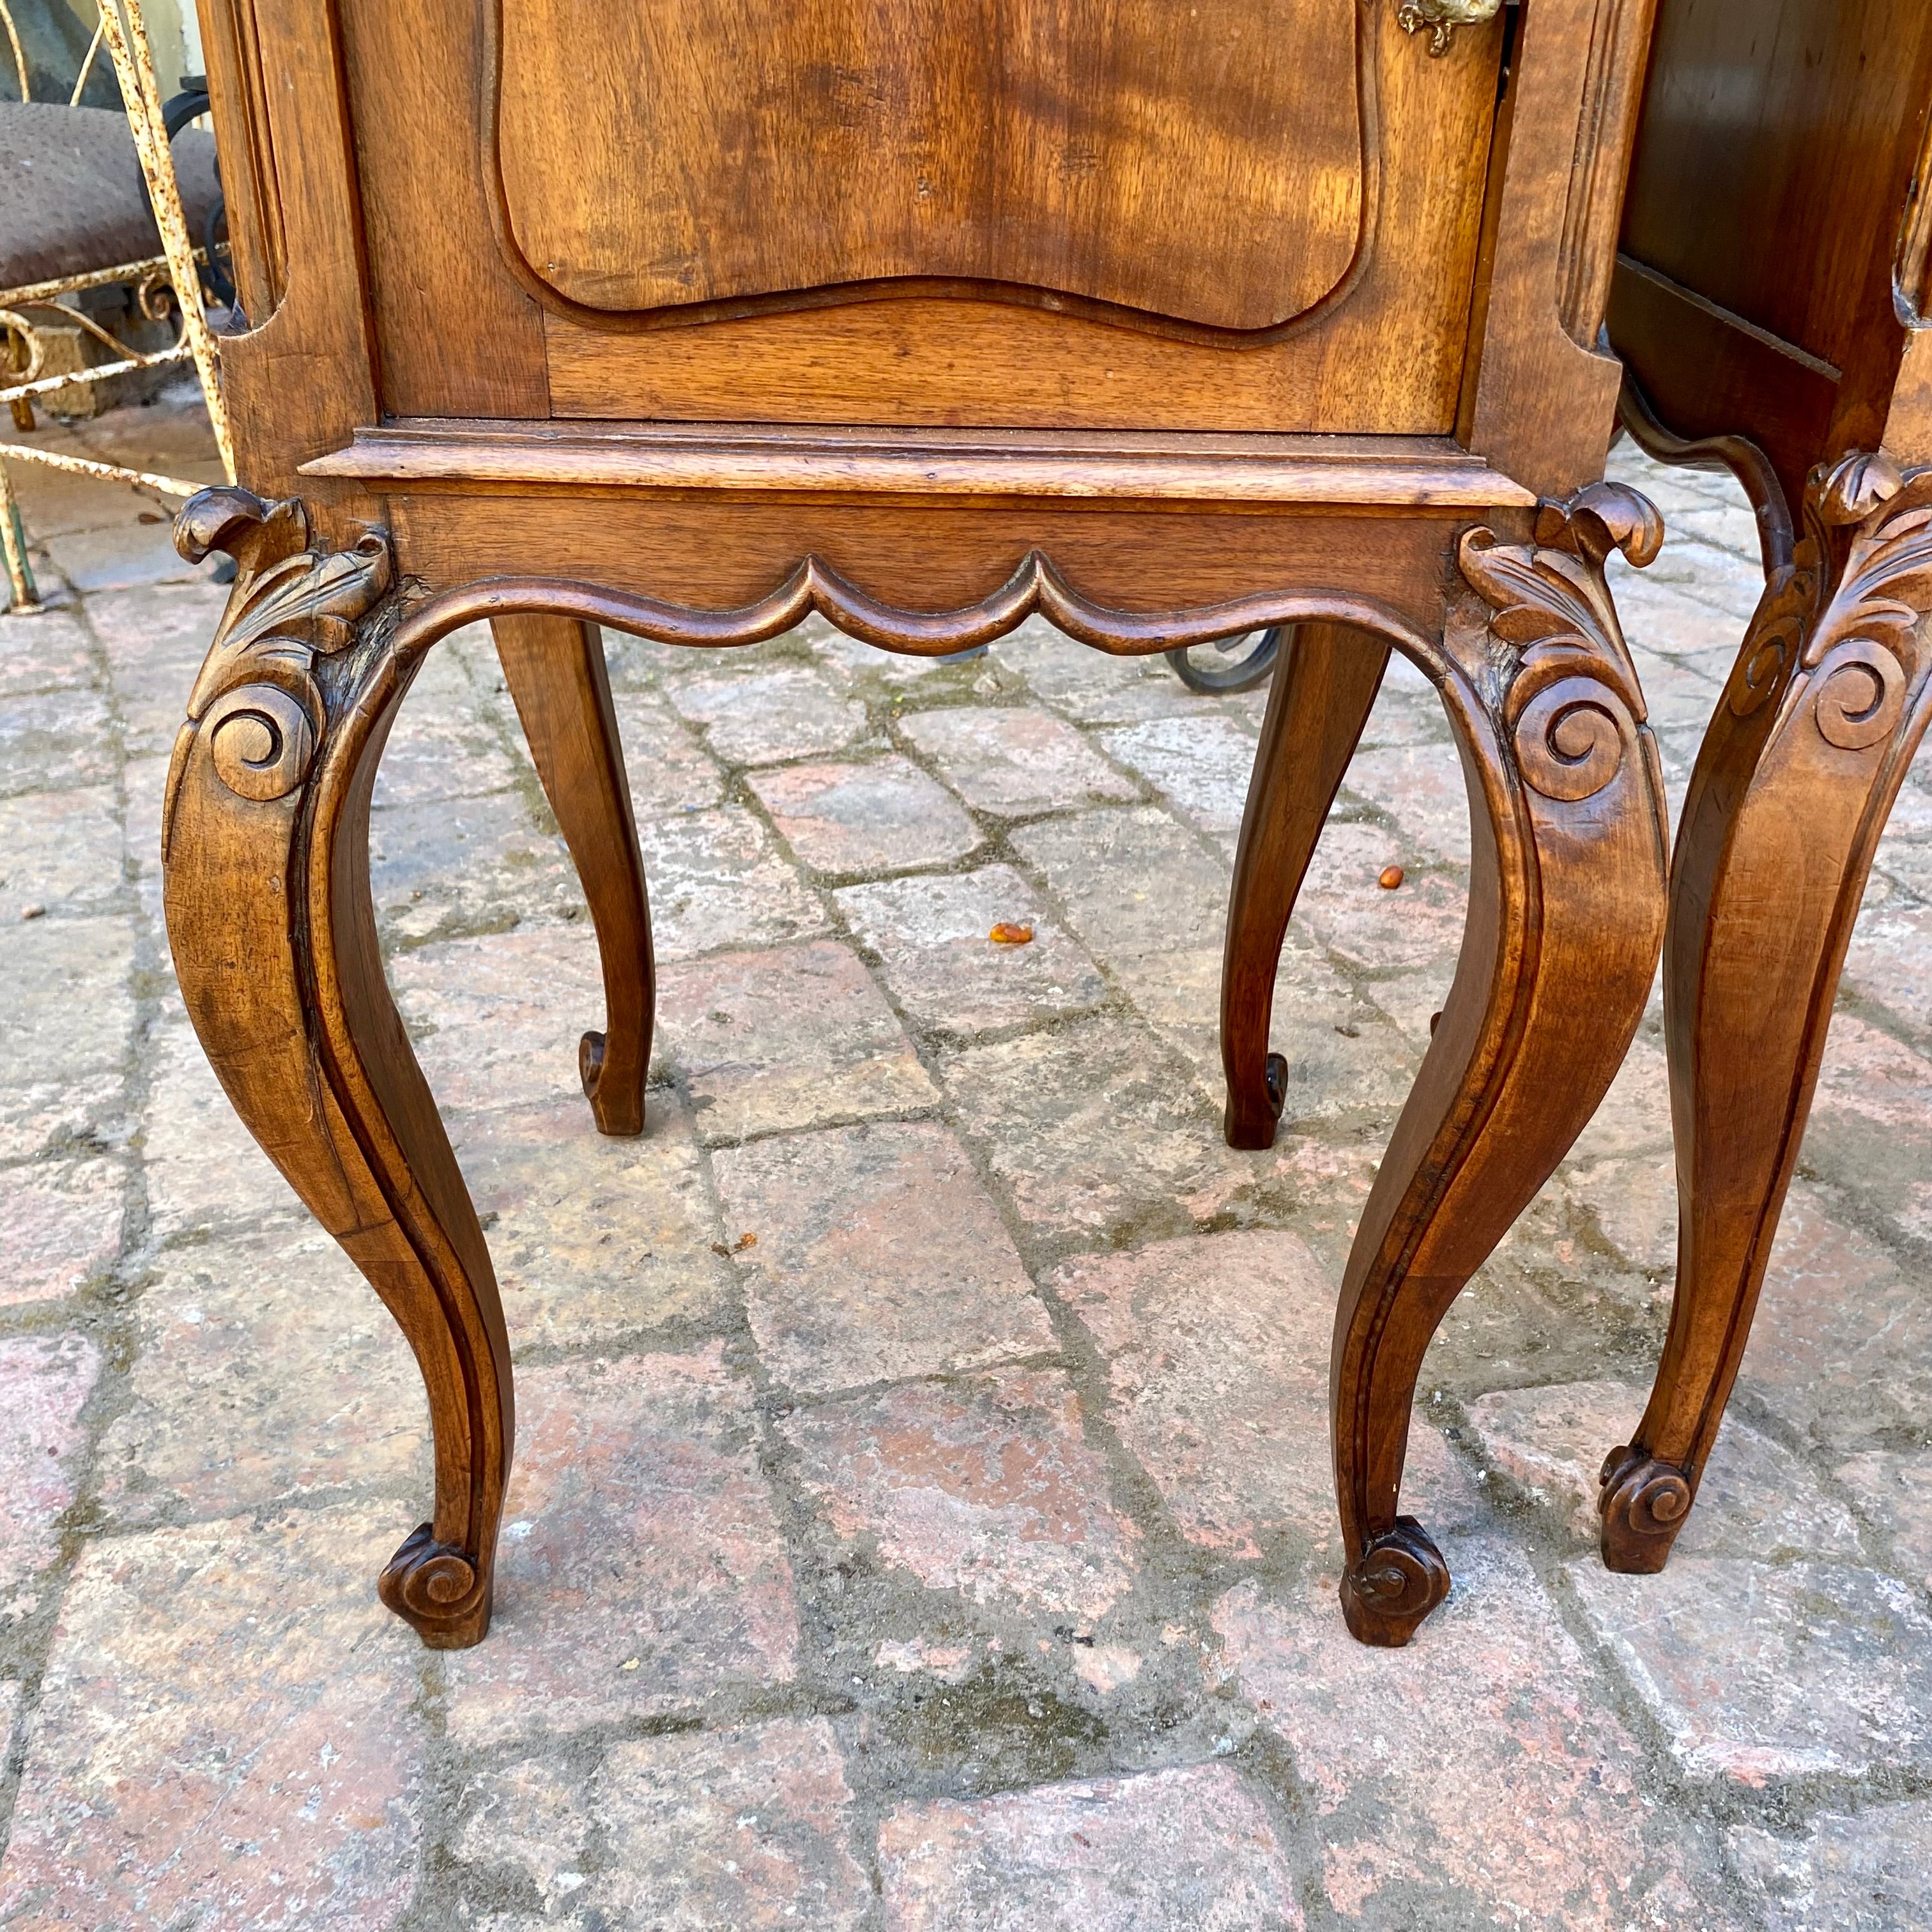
[(1776, 533)]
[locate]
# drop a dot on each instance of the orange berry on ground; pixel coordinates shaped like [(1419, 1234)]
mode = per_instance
[(1006, 934), (1391, 877)]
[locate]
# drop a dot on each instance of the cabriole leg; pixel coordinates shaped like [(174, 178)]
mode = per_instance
[(1324, 688), (1566, 916), (265, 850), (555, 669), (1812, 738)]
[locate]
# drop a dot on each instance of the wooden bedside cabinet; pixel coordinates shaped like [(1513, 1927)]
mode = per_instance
[(689, 318), (1772, 299)]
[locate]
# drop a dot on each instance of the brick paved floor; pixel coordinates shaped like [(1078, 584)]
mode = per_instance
[(958, 1555)]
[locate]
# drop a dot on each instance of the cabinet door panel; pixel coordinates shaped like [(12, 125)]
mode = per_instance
[(1198, 160)]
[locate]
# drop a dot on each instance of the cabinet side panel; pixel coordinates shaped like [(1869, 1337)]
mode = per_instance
[(255, 240), (1774, 157), (458, 335)]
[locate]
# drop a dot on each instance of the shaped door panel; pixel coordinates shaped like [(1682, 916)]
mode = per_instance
[(1197, 160)]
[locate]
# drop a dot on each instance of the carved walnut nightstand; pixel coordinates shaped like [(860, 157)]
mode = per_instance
[(691, 317)]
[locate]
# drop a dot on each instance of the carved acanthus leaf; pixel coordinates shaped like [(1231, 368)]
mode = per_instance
[(1772, 644), (256, 701), (289, 604), (1558, 674), (1875, 523)]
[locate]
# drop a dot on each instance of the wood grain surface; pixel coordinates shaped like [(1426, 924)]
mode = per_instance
[(1204, 161)]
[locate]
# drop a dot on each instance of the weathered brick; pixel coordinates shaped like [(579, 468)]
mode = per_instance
[(878, 1255), (789, 711), (1756, 1671), (595, 1238), (155, 638), (532, 1818), (1216, 1350), (60, 1225), (1842, 1343), (1886, 962), (1420, 923), (49, 652), (1422, 788), (1192, 1847), (1014, 762), (1633, 1201), (441, 868), (121, 557), (1892, 1490), (1200, 764), (55, 741), (1132, 881), (439, 747), (204, 1169), (224, 1735), (931, 934), (1407, 710), (41, 1115), (1096, 1130), (1655, 615), (1477, 1777), (1692, 576), (1682, 696), (1411, 997), (45, 1382), (1860, 1872), (266, 1370), (854, 662), (717, 879), (1871, 1120), (496, 1020), (144, 782), (68, 1011), (798, 1036), (1756, 1498), (1634, 1116), (983, 1486), (641, 1569), (1344, 1058), (1091, 687), (61, 851), (670, 772), (884, 817), (747, 1828)]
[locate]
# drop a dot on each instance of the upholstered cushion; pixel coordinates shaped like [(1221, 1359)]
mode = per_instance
[(75, 199)]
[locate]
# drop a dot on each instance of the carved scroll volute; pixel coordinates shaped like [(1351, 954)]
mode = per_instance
[(1555, 669), (256, 701), (1643, 1505), (1866, 563), (1837, 636)]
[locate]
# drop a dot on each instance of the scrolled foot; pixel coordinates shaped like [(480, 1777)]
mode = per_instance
[(438, 1590), (1644, 1503), (1251, 1119), (618, 1106), (1395, 1583)]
